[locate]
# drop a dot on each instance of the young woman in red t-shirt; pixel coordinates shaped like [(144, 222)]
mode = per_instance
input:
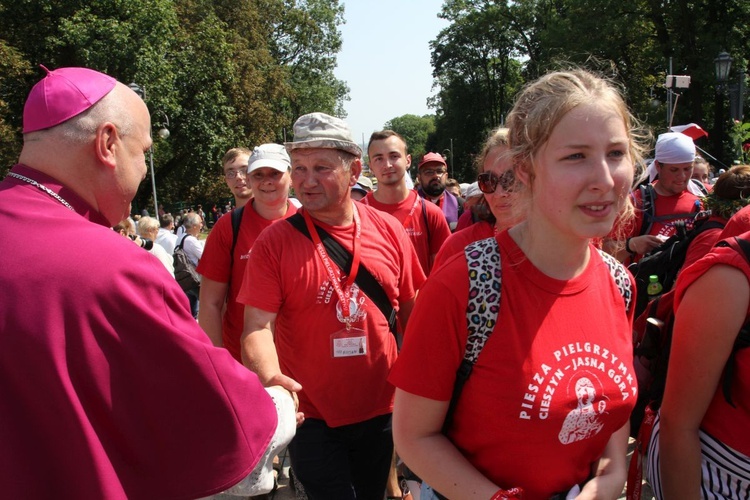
[(494, 210), (547, 404)]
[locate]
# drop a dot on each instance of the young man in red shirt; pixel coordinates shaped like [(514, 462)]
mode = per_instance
[(672, 199), (423, 221), (432, 176)]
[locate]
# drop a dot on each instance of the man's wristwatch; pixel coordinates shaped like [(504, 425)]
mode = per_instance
[(627, 246)]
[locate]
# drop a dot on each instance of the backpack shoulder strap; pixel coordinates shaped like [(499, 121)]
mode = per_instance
[(699, 185), (744, 246), (426, 222), (648, 201), (620, 276), (703, 225), (482, 309), (236, 220), (740, 245), (364, 279)]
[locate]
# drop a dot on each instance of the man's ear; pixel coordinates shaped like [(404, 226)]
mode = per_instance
[(408, 162), (107, 137), (356, 170)]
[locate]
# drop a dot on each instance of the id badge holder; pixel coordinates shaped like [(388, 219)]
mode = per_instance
[(349, 342)]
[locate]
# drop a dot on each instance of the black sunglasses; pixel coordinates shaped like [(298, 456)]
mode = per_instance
[(488, 181)]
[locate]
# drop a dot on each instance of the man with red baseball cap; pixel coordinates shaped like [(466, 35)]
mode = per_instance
[(110, 389), (431, 178)]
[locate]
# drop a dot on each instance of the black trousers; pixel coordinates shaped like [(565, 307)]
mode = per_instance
[(343, 463)]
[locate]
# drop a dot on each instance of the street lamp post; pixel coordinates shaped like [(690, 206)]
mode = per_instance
[(448, 155), (163, 133), (723, 65)]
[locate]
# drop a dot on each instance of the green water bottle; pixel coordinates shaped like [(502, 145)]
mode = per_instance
[(654, 288)]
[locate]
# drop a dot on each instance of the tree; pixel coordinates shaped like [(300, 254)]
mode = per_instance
[(415, 130), (223, 72), (12, 69), (305, 42), (476, 68), (630, 41)]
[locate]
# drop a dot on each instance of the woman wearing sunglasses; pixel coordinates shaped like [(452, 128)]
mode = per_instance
[(494, 211), (546, 406)]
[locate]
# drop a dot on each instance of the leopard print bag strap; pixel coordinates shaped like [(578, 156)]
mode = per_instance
[(482, 309), (620, 275)]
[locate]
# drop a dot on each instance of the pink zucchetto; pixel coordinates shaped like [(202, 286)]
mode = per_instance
[(63, 94)]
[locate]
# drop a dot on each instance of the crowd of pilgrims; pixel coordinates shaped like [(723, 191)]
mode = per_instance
[(421, 338)]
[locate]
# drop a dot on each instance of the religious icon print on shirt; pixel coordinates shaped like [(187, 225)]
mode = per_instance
[(583, 421)]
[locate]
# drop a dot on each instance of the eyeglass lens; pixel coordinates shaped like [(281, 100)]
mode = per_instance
[(488, 181), (231, 174)]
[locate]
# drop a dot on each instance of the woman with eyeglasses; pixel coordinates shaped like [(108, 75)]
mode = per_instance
[(544, 410), (494, 211)]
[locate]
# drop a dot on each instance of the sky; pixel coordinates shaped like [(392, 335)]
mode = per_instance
[(385, 60)]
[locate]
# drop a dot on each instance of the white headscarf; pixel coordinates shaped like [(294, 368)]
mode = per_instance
[(674, 147)]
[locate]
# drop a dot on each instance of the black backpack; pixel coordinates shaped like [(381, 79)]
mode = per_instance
[(653, 339), (648, 206), (184, 270), (666, 260)]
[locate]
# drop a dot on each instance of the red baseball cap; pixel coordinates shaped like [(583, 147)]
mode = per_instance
[(63, 94), (432, 158)]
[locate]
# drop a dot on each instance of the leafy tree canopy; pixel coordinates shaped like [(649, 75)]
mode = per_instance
[(416, 130), (218, 73)]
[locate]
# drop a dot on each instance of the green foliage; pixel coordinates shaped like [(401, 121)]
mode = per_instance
[(740, 136), (493, 46), (12, 69), (416, 130), (305, 41), (476, 66), (223, 73)]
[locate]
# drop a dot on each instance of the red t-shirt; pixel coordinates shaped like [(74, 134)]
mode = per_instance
[(458, 240), (683, 203), (704, 242), (216, 264), (738, 223), (552, 383), (728, 425), (285, 275), (466, 220), (420, 225)]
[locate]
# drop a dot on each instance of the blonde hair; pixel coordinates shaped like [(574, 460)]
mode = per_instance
[(497, 137), (147, 225), (543, 103)]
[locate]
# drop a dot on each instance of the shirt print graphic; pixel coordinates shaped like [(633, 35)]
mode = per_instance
[(585, 377), (583, 421)]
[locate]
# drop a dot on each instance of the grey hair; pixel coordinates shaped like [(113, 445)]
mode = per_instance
[(191, 220), (346, 158)]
